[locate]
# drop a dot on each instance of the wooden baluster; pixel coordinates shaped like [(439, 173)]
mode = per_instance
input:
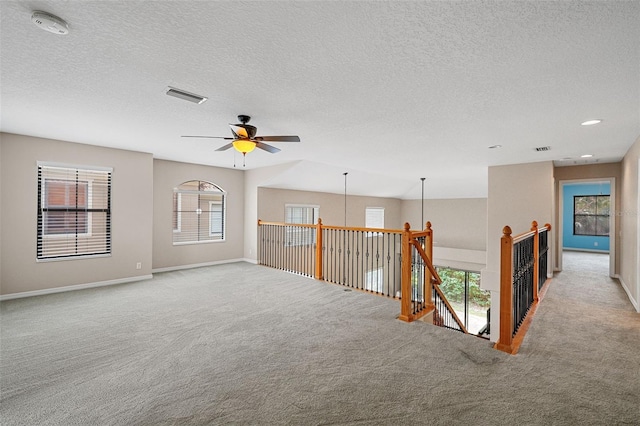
[(319, 250), (505, 339), (405, 302), (428, 248), (536, 259)]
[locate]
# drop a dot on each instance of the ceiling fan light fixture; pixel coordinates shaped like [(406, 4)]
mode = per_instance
[(244, 146)]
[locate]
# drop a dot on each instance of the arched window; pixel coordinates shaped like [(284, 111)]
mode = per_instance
[(198, 212)]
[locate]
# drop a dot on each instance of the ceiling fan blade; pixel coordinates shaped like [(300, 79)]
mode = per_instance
[(239, 132), (268, 148), (208, 137), (225, 147), (278, 138)]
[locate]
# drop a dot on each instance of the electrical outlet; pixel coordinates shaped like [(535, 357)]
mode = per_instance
[(595, 244), (139, 265)]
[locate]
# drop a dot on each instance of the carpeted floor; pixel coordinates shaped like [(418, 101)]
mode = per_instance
[(244, 344)]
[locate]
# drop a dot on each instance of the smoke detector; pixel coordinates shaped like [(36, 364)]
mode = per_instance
[(49, 22)]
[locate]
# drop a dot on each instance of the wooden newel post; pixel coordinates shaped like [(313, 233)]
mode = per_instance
[(405, 285), (505, 339), (428, 248), (260, 242), (319, 250), (536, 259)]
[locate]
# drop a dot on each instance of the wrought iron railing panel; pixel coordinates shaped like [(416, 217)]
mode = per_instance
[(365, 260), (442, 315), (523, 261), (290, 248)]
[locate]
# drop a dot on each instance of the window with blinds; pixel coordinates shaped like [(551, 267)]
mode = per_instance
[(74, 211), (300, 214), (198, 213), (374, 217)]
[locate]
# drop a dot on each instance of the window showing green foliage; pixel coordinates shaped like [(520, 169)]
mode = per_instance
[(462, 289), (591, 215)]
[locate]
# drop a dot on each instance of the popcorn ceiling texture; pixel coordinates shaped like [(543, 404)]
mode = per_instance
[(369, 86)]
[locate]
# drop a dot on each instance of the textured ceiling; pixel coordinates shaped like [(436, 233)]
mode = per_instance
[(387, 91)]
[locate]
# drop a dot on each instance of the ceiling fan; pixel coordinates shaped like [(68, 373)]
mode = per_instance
[(244, 138)]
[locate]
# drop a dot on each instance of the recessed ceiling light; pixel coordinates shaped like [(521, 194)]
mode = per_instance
[(591, 122), (586, 156), (495, 146)]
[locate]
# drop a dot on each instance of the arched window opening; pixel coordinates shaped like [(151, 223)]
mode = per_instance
[(198, 212)]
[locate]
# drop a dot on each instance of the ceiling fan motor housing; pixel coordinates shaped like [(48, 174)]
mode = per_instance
[(251, 130)]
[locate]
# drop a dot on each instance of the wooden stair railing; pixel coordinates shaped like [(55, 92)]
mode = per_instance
[(419, 244), (520, 283), (343, 256)]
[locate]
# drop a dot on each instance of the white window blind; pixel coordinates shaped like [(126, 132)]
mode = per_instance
[(74, 211), (198, 213), (374, 217), (300, 214)]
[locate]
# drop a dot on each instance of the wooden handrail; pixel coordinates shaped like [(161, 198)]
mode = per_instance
[(300, 225), (373, 230), (435, 277), (522, 236)]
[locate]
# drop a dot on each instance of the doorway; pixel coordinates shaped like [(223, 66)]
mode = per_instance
[(603, 249)]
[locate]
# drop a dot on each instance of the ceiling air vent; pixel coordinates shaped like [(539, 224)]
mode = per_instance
[(543, 148), (187, 96)]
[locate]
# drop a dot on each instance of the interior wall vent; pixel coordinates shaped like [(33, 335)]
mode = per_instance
[(187, 96), (543, 148)]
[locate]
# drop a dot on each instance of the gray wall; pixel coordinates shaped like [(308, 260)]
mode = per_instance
[(456, 223), (132, 214), (169, 174)]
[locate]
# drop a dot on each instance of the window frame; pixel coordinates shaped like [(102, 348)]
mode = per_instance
[(367, 216), (211, 217), (595, 216), (181, 223), (47, 173), (297, 236), (178, 210), (46, 209)]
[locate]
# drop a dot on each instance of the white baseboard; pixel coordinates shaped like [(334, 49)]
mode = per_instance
[(254, 261), (585, 250), (626, 289), (73, 287), (198, 265)]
